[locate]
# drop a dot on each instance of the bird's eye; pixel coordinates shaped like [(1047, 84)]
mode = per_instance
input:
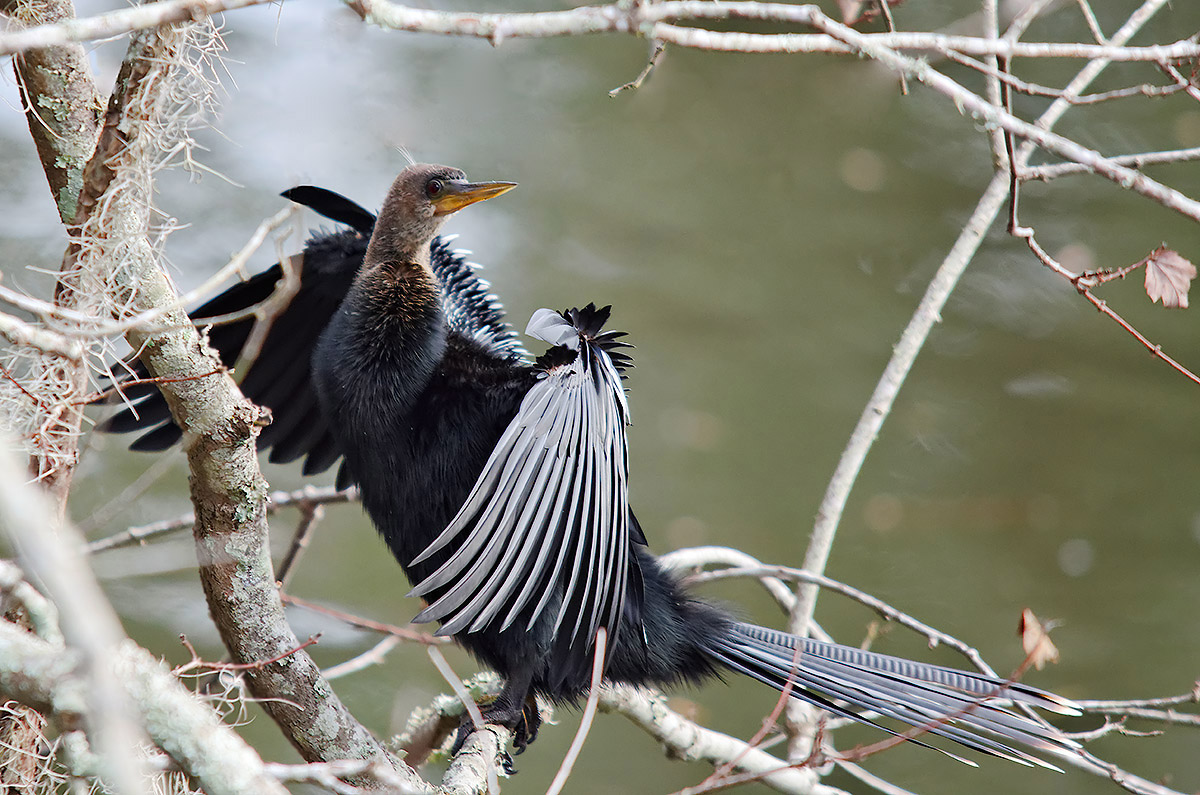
[(433, 187)]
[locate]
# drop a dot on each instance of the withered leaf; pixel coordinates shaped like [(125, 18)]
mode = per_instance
[(1035, 640), (1168, 277)]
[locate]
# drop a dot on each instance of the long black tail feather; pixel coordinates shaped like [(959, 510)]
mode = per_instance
[(965, 707)]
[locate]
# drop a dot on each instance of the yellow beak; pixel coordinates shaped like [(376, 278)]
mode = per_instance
[(457, 195)]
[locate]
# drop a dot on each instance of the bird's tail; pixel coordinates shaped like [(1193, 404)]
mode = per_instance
[(965, 707)]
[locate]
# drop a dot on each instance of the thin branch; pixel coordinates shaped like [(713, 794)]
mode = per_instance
[(1078, 281), (18, 332), (331, 775), (311, 514), (687, 740), (1049, 172), (404, 633), (196, 663), (651, 20), (309, 495), (1146, 90), (372, 656), (1168, 716), (1093, 24), (452, 679), (655, 54), (115, 23), (1181, 80), (589, 713), (1192, 697), (991, 30)]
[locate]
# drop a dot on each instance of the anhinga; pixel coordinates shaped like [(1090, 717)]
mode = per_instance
[(500, 484)]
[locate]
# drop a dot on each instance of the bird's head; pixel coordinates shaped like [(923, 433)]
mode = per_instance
[(418, 203)]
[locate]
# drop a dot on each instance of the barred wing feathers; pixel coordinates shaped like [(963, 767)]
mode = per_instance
[(547, 524)]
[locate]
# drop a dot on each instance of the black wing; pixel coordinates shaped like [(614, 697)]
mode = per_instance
[(546, 528), (280, 377)]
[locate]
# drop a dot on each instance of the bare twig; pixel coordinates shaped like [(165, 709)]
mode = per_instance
[(589, 713), (310, 515), (652, 20), (404, 633), (196, 663), (1092, 23), (452, 679), (18, 332), (332, 775), (372, 656), (1192, 697), (656, 53), (1102, 306), (684, 739), (280, 499), (1049, 172), (114, 23)]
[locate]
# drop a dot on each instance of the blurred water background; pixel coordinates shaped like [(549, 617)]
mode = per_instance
[(764, 226)]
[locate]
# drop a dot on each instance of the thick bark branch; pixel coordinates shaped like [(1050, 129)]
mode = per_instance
[(229, 497), (63, 109), (61, 103)]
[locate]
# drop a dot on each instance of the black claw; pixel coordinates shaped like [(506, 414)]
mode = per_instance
[(523, 723), (465, 729), (526, 730)]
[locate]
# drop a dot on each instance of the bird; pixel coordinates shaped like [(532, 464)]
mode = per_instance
[(500, 482)]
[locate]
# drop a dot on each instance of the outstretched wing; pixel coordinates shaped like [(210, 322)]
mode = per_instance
[(280, 377), (547, 526)]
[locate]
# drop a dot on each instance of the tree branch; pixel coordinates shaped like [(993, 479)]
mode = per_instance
[(60, 99), (50, 679), (684, 739)]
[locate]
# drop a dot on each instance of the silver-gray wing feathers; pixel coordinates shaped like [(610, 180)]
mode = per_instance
[(546, 525)]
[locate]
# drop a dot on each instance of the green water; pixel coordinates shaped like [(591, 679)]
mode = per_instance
[(764, 227)]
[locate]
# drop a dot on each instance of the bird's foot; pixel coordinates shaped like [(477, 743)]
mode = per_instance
[(523, 721)]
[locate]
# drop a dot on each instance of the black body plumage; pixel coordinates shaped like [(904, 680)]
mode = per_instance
[(470, 458)]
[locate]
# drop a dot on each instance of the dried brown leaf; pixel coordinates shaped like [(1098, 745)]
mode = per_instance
[(1168, 277), (1035, 640)]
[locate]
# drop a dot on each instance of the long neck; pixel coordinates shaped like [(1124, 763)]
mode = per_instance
[(381, 349)]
